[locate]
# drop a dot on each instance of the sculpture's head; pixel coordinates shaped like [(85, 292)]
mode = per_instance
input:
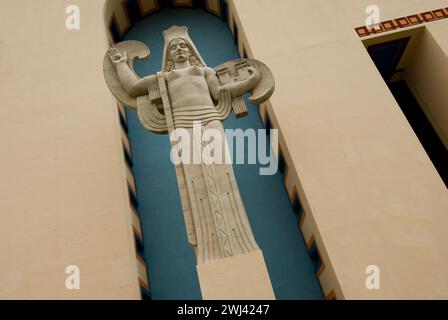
[(179, 50)]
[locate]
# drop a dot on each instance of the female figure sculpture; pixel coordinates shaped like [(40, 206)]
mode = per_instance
[(183, 94)]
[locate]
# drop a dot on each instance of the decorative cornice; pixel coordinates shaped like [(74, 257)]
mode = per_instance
[(403, 22)]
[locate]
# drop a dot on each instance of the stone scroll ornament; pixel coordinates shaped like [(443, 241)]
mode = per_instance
[(184, 93)]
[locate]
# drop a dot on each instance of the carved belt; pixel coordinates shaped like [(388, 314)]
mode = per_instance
[(186, 116)]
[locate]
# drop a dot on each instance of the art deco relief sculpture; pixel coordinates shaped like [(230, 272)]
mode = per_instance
[(184, 92)]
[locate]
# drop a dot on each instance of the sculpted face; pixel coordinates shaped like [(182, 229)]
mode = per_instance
[(179, 51)]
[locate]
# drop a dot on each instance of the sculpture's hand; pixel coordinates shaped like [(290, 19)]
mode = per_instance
[(117, 57)]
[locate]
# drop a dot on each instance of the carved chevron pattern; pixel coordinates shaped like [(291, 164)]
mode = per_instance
[(217, 210)]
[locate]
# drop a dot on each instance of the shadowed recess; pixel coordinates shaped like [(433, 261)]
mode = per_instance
[(171, 261)]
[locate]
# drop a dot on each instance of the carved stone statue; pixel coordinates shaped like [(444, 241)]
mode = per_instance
[(184, 92)]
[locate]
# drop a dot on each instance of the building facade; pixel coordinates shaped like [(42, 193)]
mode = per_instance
[(361, 177)]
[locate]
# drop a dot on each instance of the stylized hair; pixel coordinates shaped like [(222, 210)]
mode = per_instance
[(194, 61), (176, 32)]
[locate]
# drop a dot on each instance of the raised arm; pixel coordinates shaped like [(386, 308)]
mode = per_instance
[(237, 89), (133, 85)]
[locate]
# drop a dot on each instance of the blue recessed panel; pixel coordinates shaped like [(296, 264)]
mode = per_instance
[(171, 261)]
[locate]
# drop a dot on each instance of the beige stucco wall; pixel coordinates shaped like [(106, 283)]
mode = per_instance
[(373, 194), (63, 197)]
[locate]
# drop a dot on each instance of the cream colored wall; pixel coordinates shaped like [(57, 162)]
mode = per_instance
[(371, 194), (63, 197), (427, 76)]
